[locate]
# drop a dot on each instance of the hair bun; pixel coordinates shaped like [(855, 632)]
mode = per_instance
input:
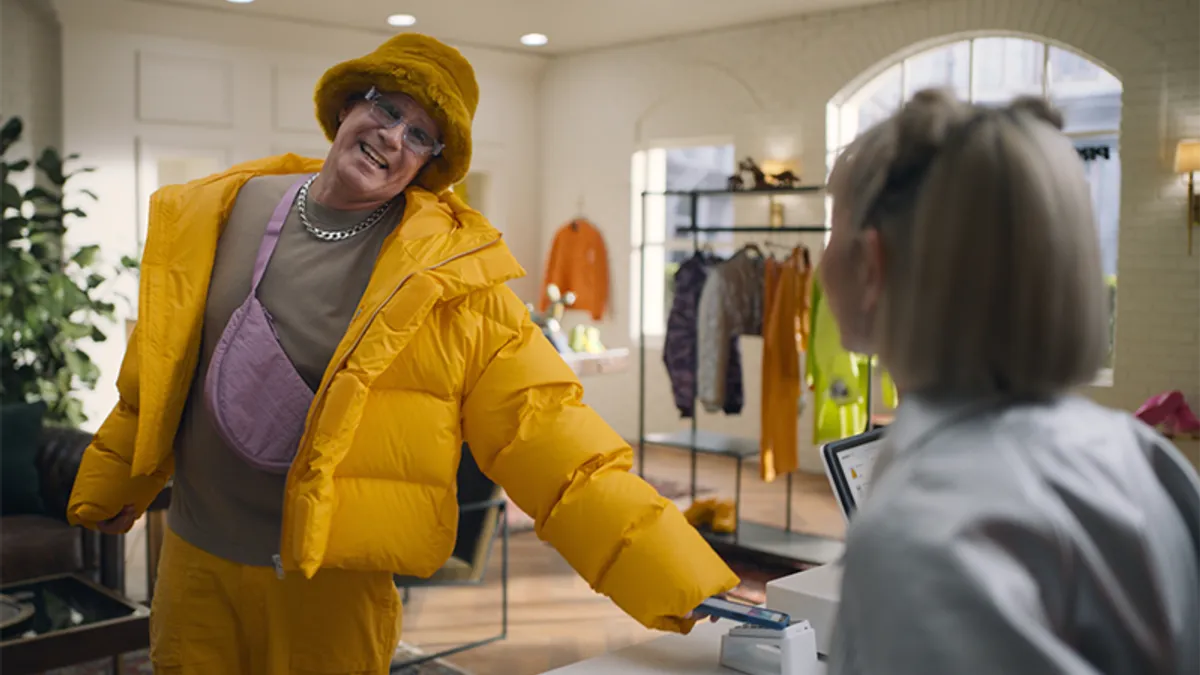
[(922, 129), (1039, 108)]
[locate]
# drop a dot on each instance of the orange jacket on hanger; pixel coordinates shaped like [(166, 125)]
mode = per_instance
[(578, 263), (785, 337)]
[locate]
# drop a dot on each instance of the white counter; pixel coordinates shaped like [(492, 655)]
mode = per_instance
[(813, 594), (695, 654)]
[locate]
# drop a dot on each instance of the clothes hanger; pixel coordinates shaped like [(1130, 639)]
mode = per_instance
[(790, 250), (578, 214), (752, 248)]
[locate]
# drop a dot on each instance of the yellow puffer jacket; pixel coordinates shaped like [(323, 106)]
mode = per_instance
[(440, 351)]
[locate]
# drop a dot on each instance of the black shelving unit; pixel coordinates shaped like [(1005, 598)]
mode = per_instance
[(764, 542)]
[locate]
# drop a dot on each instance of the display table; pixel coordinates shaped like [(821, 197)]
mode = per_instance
[(72, 621), (606, 362), (696, 654)]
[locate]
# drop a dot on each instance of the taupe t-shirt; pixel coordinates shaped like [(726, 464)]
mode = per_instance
[(219, 503)]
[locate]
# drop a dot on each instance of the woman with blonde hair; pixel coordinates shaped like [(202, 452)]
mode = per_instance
[(1012, 526), (316, 341)]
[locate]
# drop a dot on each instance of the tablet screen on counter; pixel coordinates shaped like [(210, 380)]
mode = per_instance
[(848, 465)]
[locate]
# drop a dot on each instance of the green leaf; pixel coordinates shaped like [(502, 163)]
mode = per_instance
[(72, 413), (51, 165), (51, 302), (85, 256), (39, 193), (10, 133), (10, 196), (76, 331), (77, 363)]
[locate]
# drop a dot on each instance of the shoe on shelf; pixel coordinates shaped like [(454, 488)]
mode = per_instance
[(700, 513), (724, 518), (717, 515), (578, 339), (594, 346)]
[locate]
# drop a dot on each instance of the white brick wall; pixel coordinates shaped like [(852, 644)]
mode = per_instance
[(594, 104)]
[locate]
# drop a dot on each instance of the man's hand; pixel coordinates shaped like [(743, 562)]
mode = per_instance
[(697, 615), (120, 523)]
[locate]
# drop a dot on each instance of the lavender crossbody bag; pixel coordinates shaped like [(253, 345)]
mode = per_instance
[(254, 394)]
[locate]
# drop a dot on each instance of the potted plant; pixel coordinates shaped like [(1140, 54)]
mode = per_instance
[(53, 296)]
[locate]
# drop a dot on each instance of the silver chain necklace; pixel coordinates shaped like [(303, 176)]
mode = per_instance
[(334, 235)]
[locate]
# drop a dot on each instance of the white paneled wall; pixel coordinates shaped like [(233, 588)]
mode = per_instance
[(155, 95), (184, 90)]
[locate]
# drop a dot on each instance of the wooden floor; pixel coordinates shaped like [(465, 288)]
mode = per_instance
[(554, 618)]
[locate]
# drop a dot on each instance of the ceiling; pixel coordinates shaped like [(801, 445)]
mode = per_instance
[(571, 25)]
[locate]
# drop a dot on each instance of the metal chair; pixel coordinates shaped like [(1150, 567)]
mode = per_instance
[(483, 517)]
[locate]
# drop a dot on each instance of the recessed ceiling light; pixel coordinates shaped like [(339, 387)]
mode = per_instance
[(534, 39), (241, 2), (402, 20)]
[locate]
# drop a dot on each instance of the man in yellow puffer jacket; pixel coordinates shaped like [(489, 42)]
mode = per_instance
[(388, 296)]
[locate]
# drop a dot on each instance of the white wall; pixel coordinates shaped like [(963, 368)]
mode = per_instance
[(768, 84), (31, 74), (143, 82)]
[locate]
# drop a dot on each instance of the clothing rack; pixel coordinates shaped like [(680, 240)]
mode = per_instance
[(755, 229), (750, 539)]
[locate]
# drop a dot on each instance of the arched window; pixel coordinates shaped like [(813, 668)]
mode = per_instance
[(994, 69)]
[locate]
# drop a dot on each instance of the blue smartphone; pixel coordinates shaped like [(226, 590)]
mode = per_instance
[(741, 612)]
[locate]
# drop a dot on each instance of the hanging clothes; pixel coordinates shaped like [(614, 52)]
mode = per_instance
[(785, 339), (731, 304), (838, 378), (680, 344), (578, 264)]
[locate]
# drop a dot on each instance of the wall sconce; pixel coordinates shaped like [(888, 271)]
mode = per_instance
[(1187, 160)]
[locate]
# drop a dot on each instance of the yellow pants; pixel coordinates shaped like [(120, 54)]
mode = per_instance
[(210, 616)]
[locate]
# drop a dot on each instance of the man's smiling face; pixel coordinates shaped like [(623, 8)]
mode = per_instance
[(370, 162)]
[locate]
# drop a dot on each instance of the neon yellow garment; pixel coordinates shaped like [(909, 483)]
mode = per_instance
[(837, 378)]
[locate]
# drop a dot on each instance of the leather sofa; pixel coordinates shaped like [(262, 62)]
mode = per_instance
[(41, 545)]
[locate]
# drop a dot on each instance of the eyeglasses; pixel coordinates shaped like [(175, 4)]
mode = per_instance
[(387, 115)]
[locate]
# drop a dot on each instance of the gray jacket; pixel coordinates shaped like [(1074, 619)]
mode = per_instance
[(731, 304), (1056, 538)]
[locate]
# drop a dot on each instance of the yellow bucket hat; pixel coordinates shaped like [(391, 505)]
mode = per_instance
[(436, 75)]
